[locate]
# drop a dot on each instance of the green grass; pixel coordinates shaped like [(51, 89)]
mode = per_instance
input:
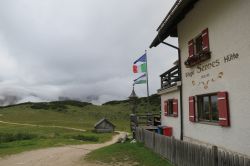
[(133, 154), (15, 139), (74, 116), (18, 138)]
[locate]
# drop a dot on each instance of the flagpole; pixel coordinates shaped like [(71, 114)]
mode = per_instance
[(147, 72), (147, 82)]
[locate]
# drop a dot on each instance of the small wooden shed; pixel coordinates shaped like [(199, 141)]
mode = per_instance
[(104, 126)]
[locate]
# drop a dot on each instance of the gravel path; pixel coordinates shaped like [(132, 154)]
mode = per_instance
[(58, 156)]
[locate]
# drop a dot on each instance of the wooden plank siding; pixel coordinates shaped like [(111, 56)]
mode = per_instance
[(181, 153)]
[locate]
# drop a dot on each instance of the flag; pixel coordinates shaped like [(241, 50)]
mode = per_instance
[(143, 58), (142, 68), (141, 80)]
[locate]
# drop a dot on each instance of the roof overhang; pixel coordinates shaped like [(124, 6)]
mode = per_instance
[(168, 27)]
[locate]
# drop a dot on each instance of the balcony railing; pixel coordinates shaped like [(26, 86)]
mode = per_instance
[(170, 77), (147, 119)]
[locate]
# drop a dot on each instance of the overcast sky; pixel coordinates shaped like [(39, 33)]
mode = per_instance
[(80, 49)]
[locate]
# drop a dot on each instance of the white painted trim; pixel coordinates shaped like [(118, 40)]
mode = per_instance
[(168, 90)]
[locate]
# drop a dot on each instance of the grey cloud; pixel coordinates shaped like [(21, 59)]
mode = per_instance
[(81, 49)]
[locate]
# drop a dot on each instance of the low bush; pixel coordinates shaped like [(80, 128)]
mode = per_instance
[(10, 137), (44, 106), (116, 102), (56, 106), (72, 103), (89, 138)]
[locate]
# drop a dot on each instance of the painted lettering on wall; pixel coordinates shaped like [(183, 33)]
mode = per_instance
[(206, 82), (206, 78), (207, 66), (201, 68), (190, 74), (231, 57), (205, 75)]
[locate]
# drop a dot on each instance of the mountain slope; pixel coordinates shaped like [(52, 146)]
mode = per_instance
[(77, 114)]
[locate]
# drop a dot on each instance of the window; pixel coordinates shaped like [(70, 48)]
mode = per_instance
[(198, 44), (171, 107), (211, 108), (198, 49), (208, 108)]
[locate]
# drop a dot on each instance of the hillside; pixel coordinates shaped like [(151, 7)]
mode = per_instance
[(30, 126), (76, 114), (154, 103)]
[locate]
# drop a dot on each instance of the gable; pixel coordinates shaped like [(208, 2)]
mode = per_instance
[(104, 123)]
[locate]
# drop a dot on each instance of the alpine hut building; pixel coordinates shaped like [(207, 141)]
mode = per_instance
[(205, 97)]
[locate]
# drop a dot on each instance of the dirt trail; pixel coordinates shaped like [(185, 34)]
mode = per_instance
[(27, 124), (58, 156)]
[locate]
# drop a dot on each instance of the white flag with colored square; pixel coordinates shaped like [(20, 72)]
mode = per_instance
[(141, 80)]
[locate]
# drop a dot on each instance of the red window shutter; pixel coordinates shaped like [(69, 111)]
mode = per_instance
[(166, 108), (223, 108), (191, 48), (175, 107), (205, 40), (192, 108)]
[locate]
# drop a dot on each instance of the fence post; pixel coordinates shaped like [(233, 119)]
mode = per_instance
[(173, 156), (215, 155), (153, 148), (143, 136)]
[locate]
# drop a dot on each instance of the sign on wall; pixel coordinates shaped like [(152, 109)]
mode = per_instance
[(207, 77)]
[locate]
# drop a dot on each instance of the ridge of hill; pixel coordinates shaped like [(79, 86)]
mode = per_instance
[(52, 103), (153, 100), (77, 114), (142, 101)]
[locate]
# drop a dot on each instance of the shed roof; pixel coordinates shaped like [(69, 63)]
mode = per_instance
[(102, 120), (168, 26)]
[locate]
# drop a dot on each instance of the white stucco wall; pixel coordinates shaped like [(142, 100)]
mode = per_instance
[(171, 121), (228, 23)]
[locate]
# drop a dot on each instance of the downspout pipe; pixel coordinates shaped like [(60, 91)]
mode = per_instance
[(181, 89)]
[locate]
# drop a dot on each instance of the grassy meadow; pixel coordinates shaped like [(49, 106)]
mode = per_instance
[(73, 114), (134, 154), (16, 138)]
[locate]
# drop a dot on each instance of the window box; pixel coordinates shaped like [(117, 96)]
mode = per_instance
[(197, 58)]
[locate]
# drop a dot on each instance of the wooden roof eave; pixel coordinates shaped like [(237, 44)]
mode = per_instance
[(169, 27)]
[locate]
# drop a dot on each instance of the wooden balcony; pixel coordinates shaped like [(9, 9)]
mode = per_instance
[(170, 78)]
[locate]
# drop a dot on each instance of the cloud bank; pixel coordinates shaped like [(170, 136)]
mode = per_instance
[(78, 49)]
